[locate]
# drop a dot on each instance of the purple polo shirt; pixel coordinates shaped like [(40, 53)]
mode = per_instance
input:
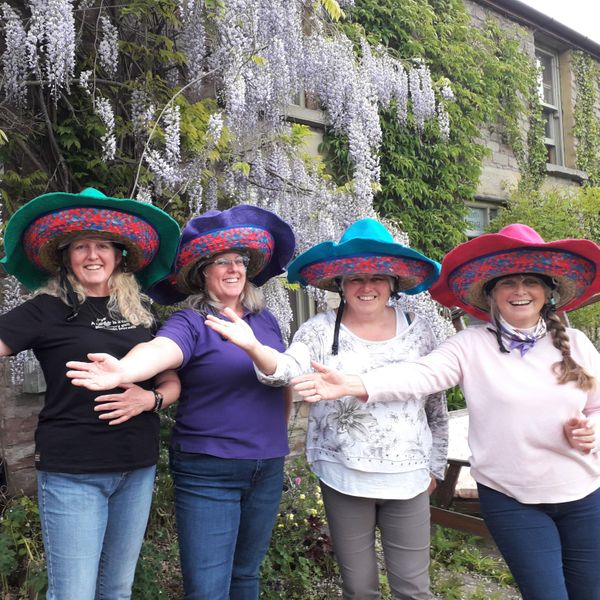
[(224, 410)]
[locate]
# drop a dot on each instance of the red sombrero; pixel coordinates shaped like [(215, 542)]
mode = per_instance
[(573, 264)]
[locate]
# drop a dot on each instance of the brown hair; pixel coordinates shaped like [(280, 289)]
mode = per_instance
[(567, 369)]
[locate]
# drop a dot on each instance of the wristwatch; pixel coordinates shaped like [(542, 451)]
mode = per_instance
[(158, 400)]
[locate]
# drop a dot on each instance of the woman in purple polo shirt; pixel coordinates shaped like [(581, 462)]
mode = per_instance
[(230, 436)]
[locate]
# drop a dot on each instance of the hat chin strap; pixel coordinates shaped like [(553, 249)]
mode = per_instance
[(71, 295), (336, 330)]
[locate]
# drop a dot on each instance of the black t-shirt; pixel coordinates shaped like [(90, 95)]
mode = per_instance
[(70, 437)]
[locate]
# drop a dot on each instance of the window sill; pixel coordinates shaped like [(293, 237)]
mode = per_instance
[(566, 173), (305, 116)]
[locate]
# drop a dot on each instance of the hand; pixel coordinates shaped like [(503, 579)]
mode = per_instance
[(432, 486), (581, 434), (130, 403), (103, 373), (236, 330), (322, 384)]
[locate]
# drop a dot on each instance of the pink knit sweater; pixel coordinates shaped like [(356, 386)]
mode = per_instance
[(516, 411)]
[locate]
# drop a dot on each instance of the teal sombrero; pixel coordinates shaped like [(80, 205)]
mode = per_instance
[(36, 232), (365, 247), (573, 264)]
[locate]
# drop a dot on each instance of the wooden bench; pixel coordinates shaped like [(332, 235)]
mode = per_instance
[(450, 510)]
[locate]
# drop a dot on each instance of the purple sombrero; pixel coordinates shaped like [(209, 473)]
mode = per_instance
[(39, 229), (260, 234), (365, 247), (573, 264)]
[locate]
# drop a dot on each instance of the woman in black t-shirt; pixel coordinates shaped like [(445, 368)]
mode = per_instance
[(87, 255)]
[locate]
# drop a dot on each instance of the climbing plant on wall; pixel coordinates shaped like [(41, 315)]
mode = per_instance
[(425, 183), (587, 124)]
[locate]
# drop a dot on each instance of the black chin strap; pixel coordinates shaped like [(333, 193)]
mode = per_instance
[(336, 329), (71, 295)]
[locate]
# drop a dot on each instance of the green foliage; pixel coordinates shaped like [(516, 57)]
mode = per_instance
[(332, 8), (455, 399), (459, 553), (587, 124), (424, 181), (21, 551), (300, 563), (560, 214)]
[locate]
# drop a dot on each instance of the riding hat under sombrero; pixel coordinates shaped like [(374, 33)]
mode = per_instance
[(573, 265), (39, 229), (258, 233), (365, 247)]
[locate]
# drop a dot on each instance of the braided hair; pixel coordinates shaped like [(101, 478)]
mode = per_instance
[(566, 369)]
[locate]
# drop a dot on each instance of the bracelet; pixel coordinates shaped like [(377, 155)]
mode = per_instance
[(158, 400)]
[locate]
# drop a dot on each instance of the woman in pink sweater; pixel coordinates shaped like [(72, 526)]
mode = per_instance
[(533, 393)]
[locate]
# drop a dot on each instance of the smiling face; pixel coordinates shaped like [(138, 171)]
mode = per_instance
[(519, 299), (226, 281), (366, 293), (93, 261)]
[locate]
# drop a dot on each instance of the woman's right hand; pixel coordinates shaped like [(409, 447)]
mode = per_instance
[(104, 372), (236, 330), (328, 384)]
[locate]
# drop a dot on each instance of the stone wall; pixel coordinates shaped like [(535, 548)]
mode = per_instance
[(18, 420)]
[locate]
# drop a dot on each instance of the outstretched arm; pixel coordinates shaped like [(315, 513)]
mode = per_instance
[(142, 362), (118, 408), (237, 331), (328, 384)]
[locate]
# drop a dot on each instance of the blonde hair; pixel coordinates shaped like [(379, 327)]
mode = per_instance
[(126, 299)]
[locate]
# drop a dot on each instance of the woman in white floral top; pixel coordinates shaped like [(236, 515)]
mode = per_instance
[(377, 463)]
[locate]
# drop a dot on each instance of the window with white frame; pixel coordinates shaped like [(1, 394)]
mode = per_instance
[(478, 217), (549, 91)]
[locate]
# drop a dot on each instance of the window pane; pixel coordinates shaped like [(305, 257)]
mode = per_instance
[(548, 125), (477, 218), (546, 83)]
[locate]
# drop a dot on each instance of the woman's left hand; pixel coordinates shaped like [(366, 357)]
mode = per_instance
[(581, 434), (122, 407)]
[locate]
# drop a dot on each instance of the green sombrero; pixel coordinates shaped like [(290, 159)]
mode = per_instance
[(39, 229)]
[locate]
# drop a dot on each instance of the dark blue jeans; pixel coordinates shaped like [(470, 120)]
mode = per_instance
[(225, 509), (552, 550)]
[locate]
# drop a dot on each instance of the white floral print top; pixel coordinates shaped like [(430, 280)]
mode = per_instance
[(375, 449)]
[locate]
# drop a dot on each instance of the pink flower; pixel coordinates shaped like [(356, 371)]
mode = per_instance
[(298, 481)]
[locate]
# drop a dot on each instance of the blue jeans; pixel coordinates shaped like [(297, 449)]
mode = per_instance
[(552, 550), (226, 509), (93, 526)]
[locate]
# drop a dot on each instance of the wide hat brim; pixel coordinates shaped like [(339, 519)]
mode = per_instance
[(260, 234), (37, 231), (359, 251), (573, 264)]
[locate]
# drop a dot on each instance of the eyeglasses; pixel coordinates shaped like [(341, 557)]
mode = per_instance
[(239, 261)]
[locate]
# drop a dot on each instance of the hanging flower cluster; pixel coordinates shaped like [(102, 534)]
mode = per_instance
[(15, 60), (12, 296), (108, 51), (109, 141), (51, 40)]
